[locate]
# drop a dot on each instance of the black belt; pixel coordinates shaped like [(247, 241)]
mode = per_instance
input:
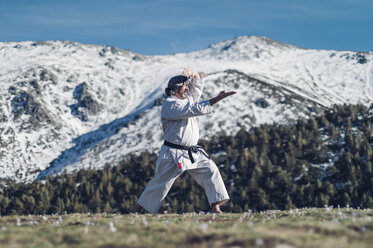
[(190, 149)]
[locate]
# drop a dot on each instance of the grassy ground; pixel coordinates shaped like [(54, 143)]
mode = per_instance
[(283, 229)]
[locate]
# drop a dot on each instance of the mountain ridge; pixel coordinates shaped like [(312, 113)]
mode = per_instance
[(58, 95)]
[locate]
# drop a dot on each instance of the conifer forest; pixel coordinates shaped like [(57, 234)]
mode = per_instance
[(325, 160)]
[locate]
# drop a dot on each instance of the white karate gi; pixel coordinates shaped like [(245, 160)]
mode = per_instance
[(180, 127)]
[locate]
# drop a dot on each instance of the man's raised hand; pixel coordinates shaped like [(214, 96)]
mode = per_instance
[(190, 73), (222, 94)]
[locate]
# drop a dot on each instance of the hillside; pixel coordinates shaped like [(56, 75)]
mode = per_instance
[(324, 161), (66, 105)]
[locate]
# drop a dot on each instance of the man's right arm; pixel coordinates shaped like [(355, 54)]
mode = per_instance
[(196, 83)]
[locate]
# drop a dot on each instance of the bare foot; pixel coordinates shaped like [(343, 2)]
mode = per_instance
[(137, 209), (216, 211), (215, 208)]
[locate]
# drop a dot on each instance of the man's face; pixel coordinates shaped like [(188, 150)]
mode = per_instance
[(183, 91)]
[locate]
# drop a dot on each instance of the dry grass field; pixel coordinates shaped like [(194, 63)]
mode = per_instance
[(314, 227)]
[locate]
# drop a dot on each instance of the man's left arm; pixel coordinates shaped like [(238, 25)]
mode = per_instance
[(222, 94)]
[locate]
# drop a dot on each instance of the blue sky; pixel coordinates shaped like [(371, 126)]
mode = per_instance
[(171, 26)]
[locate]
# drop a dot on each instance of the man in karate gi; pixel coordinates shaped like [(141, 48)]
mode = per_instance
[(180, 151)]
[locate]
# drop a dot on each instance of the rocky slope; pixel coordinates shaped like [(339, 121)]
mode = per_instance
[(66, 105)]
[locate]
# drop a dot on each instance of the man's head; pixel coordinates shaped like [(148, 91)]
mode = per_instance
[(178, 86)]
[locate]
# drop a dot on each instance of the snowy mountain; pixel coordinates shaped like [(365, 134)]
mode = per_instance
[(66, 105)]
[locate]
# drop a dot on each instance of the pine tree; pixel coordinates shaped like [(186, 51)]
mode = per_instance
[(60, 206)]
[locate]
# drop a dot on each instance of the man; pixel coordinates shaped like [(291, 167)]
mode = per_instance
[(180, 151)]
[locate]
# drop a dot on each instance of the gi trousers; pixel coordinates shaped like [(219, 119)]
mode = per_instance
[(204, 171)]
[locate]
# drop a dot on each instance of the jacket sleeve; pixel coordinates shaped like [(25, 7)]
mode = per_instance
[(176, 110), (195, 90)]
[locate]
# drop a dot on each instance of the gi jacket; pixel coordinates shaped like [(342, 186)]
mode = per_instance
[(180, 124)]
